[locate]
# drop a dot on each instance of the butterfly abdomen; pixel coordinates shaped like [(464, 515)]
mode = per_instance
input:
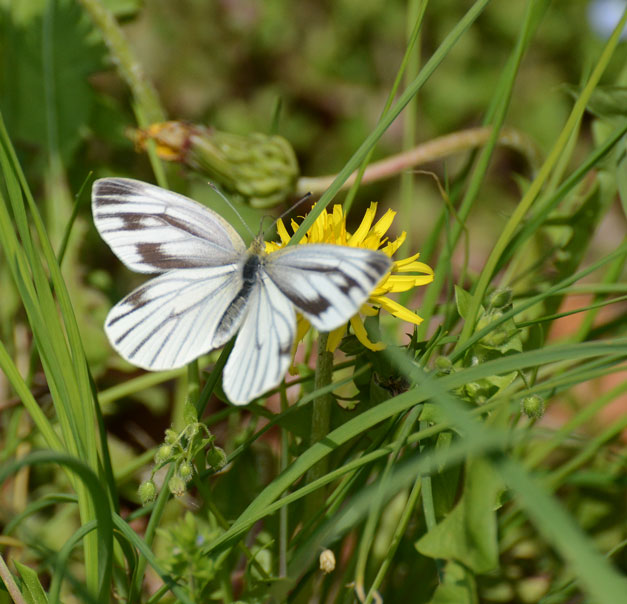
[(232, 317)]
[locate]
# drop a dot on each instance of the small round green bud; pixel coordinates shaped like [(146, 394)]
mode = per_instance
[(533, 406), (177, 486), (147, 492), (192, 429), (170, 436), (472, 389), (164, 453), (216, 458), (501, 298), (444, 365), (185, 471)]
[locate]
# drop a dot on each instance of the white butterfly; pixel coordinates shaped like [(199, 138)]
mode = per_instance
[(211, 286)]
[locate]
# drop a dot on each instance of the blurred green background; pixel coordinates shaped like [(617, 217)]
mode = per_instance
[(227, 63)]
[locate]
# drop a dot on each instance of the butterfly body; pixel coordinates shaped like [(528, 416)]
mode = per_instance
[(211, 286)]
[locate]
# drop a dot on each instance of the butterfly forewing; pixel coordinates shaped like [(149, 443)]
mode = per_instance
[(327, 283), (153, 230), (171, 320), (263, 347)]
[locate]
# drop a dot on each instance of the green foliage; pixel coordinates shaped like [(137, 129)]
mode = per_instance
[(47, 53), (478, 458), (33, 591)]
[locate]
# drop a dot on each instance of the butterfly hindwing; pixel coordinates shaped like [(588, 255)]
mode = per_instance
[(327, 283), (153, 230), (263, 347), (171, 320)]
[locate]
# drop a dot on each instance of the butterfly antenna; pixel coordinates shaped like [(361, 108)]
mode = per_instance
[(290, 209), (228, 202)]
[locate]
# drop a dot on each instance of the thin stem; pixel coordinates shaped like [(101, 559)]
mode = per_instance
[(10, 583), (354, 162), (283, 518), (320, 423), (414, 8), (397, 82), (396, 539), (128, 66)]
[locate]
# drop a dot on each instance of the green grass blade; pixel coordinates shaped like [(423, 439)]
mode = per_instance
[(100, 500)]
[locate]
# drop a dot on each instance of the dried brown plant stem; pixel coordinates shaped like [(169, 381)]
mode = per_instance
[(432, 150)]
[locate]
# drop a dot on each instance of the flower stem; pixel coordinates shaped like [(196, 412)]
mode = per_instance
[(320, 422), (129, 67)]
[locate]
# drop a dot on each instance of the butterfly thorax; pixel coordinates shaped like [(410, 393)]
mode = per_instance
[(257, 247)]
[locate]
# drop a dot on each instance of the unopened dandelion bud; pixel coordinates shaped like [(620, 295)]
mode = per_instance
[(533, 406), (185, 471), (164, 453), (147, 492), (261, 168), (177, 485), (216, 458), (327, 561)]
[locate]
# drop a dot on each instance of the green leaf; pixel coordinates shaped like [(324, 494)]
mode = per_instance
[(445, 482), (46, 56), (462, 300), (608, 102), (32, 590), (621, 173), (458, 587), (468, 533)]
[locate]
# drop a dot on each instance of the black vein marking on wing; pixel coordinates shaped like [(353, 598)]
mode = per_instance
[(163, 328), (154, 230), (156, 254), (369, 269), (136, 221)]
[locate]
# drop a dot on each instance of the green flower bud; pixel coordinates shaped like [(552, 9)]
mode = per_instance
[(216, 458), (170, 436), (473, 390), (444, 365), (164, 453), (533, 406), (495, 338), (501, 298), (177, 486), (185, 471), (147, 492)]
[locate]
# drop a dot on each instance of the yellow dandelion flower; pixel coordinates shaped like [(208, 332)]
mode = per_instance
[(405, 274)]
